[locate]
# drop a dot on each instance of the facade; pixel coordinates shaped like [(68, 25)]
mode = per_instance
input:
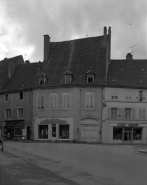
[(125, 102)]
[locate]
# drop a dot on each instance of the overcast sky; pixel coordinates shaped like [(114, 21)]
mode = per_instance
[(24, 22)]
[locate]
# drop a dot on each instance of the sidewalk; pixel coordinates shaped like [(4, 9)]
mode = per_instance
[(16, 171)]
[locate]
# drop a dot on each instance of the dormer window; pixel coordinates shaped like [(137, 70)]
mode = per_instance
[(42, 79), (90, 76), (68, 77)]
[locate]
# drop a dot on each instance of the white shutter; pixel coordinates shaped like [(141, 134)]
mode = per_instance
[(133, 113), (55, 101), (63, 101), (140, 113), (119, 114), (39, 102), (42, 101), (143, 113), (51, 101), (123, 113), (87, 100), (108, 113), (91, 99), (68, 101)]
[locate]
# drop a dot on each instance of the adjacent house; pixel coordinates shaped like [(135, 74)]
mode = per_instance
[(125, 102)]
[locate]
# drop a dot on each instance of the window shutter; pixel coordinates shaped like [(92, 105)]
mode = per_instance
[(55, 101), (39, 102), (108, 113), (91, 100), (42, 102), (87, 100), (119, 115), (63, 101), (123, 113), (133, 114), (140, 113), (51, 101), (143, 113), (68, 101)]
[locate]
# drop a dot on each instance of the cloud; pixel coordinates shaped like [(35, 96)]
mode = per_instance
[(24, 23)]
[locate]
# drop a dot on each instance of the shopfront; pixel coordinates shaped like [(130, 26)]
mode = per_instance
[(13, 130), (53, 129)]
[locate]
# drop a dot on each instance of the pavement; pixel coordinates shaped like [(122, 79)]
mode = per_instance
[(17, 171)]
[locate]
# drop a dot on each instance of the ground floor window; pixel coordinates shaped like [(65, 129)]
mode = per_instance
[(64, 131), (137, 132), (17, 131), (117, 133), (43, 131)]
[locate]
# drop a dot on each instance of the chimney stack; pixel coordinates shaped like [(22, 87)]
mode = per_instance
[(46, 48), (105, 30), (129, 56)]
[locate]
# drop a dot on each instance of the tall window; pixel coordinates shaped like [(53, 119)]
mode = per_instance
[(20, 95), (43, 131), (140, 95), (127, 113), (142, 113), (53, 102), (66, 101), (20, 113), (89, 101), (6, 97), (7, 113), (113, 113), (41, 102)]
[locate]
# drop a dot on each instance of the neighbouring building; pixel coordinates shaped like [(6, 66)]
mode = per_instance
[(125, 102)]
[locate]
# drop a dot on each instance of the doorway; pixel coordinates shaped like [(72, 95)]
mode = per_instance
[(127, 134), (28, 128), (53, 131)]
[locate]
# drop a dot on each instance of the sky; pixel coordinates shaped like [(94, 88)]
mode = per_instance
[(24, 22)]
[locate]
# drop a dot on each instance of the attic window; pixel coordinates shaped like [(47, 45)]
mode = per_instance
[(68, 77), (42, 79), (90, 76)]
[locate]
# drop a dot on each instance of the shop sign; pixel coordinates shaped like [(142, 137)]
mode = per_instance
[(52, 121), (24, 132), (133, 125), (127, 124)]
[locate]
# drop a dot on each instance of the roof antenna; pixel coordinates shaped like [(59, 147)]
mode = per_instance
[(6, 53), (134, 50)]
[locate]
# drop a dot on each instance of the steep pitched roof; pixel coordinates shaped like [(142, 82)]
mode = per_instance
[(77, 56), (4, 68), (128, 73)]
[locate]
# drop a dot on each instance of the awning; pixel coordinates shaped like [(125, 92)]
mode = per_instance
[(14, 124)]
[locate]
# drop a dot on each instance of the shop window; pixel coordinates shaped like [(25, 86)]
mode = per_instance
[(89, 101), (20, 95), (20, 113), (53, 102), (64, 131), (137, 133), (7, 113), (17, 131), (40, 102), (117, 133), (66, 101), (42, 131), (113, 113), (6, 97)]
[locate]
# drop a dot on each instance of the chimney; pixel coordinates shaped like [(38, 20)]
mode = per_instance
[(46, 48), (129, 56), (105, 30), (27, 62)]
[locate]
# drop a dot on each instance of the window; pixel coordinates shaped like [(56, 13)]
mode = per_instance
[(66, 101), (89, 101), (117, 133), (68, 76), (7, 113), (137, 132), (20, 95), (43, 131), (42, 79), (113, 113), (6, 97), (114, 97), (90, 78), (17, 131), (53, 102), (142, 113), (19, 112), (140, 95), (40, 102), (127, 113), (63, 131)]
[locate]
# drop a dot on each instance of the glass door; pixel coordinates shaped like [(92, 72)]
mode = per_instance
[(127, 134)]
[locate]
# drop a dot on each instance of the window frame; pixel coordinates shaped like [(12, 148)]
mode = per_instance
[(6, 99), (89, 101), (90, 76), (40, 95), (10, 115), (65, 101), (19, 95), (18, 113), (53, 101)]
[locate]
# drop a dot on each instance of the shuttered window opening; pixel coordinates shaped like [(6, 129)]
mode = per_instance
[(41, 102), (142, 113), (53, 102), (89, 101), (66, 101)]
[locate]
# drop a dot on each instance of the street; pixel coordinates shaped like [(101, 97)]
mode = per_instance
[(86, 164)]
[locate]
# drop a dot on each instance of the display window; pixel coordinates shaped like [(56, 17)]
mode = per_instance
[(43, 131), (17, 131), (137, 133), (117, 133), (64, 131)]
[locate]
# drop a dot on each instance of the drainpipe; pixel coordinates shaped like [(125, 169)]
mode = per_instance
[(31, 115)]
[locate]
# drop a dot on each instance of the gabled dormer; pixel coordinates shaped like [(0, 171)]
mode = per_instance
[(42, 79), (90, 76), (68, 76)]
